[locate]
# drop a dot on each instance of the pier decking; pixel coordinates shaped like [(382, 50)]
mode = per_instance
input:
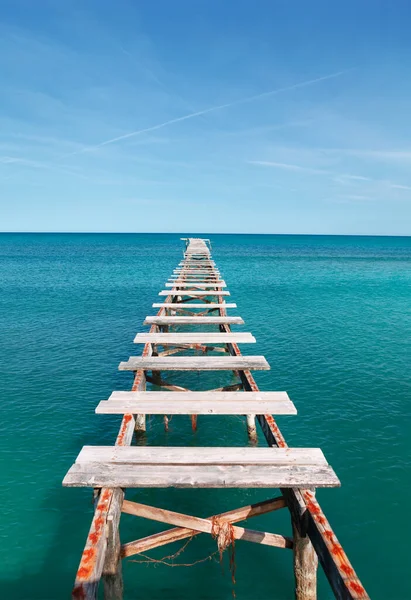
[(197, 298)]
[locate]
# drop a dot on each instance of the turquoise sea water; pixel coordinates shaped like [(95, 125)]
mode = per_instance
[(332, 315)]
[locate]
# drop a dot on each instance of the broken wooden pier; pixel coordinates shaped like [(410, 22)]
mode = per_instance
[(196, 296)]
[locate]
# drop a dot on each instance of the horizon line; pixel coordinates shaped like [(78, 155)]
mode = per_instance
[(402, 235)]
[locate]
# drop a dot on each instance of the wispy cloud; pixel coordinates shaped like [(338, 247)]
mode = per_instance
[(209, 110), (398, 186), (289, 167)]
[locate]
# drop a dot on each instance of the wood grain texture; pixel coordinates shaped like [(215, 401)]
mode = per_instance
[(183, 284), (194, 338), (201, 476), (194, 293), (203, 525), (189, 305), (195, 363), (201, 455), (181, 320), (190, 292), (181, 533), (197, 403)]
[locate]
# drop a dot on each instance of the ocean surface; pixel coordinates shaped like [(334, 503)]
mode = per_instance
[(332, 315)]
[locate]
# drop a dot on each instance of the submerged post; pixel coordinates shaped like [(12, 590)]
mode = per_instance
[(112, 572), (251, 429), (305, 561)]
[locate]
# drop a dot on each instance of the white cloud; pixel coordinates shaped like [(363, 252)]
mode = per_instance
[(288, 167)]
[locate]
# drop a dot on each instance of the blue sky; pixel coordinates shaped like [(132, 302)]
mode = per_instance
[(218, 116)]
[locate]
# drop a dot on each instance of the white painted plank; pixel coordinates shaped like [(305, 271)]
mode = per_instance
[(200, 455), (197, 403), (189, 305), (194, 338), (202, 476), (200, 320), (201, 277), (197, 263), (195, 363), (184, 284), (194, 293), (190, 407)]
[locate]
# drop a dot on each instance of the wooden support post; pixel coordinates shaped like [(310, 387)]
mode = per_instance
[(140, 423), (112, 573), (305, 561), (251, 429)]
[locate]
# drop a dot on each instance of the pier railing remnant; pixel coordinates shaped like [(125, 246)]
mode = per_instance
[(197, 296)]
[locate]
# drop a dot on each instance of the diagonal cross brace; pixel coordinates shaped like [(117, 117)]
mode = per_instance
[(188, 526)]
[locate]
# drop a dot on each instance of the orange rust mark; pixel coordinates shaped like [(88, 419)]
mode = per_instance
[(329, 535), (85, 568), (337, 550), (93, 537), (105, 495), (84, 572), (123, 429), (356, 587), (313, 508), (88, 554), (349, 571), (281, 443)]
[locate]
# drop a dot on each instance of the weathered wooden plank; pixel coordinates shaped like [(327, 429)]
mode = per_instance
[(189, 305), (195, 363), (201, 455), (203, 476), (197, 403), (187, 407), (194, 263), (162, 515), (196, 274), (189, 271), (194, 280), (190, 284), (182, 320), (194, 338), (193, 293)]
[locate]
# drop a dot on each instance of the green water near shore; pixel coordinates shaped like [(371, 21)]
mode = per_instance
[(332, 316)]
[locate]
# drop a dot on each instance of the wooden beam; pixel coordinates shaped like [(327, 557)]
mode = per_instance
[(112, 573), (181, 533), (203, 525)]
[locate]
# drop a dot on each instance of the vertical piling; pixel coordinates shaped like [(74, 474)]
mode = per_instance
[(112, 572), (305, 562), (252, 429)]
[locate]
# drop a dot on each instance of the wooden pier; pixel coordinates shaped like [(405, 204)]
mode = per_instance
[(196, 298)]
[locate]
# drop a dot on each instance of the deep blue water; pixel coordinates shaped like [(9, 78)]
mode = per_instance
[(332, 315)]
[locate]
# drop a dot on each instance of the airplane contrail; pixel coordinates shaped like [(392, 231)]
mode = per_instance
[(209, 110)]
